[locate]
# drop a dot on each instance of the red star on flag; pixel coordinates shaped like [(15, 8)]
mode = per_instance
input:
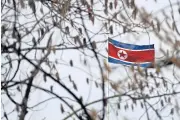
[(122, 54)]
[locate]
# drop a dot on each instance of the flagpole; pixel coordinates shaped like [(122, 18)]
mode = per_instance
[(108, 82), (108, 92)]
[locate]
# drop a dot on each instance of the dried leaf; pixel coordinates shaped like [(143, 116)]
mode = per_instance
[(152, 24), (124, 29), (167, 23), (132, 4), (54, 1), (127, 3), (94, 45), (105, 24), (18, 88), (84, 42), (17, 108), (14, 33), (91, 17), (117, 114), (62, 108), (83, 2), (42, 31), (65, 8), (87, 80), (141, 85), (70, 78), (122, 16), (162, 103), (80, 31), (96, 84), (92, 2), (110, 5), (51, 88), (107, 67), (142, 106), (34, 41), (173, 25), (57, 76), (111, 29), (135, 78), (134, 13), (44, 77), (49, 43), (77, 39), (129, 86), (32, 5), (89, 8), (134, 101), (93, 114), (118, 106), (74, 86), (71, 63), (85, 62), (54, 50), (9, 1), (115, 3), (105, 77), (158, 26), (146, 73), (176, 61), (106, 11), (72, 23), (105, 102), (127, 106), (172, 111), (41, 10), (3, 30), (140, 71), (106, 3), (132, 107), (165, 99), (115, 86), (158, 70), (22, 3), (115, 15), (67, 29)]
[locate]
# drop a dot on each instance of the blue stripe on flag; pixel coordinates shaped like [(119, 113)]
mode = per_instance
[(131, 46), (112, 60)]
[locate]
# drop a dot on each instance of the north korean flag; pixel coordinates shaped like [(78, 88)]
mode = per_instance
[(129, 54)]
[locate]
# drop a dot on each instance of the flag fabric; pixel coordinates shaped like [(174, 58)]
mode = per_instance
[(130, 54)]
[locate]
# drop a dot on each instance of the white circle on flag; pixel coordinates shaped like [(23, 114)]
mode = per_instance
[(122, 54)]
